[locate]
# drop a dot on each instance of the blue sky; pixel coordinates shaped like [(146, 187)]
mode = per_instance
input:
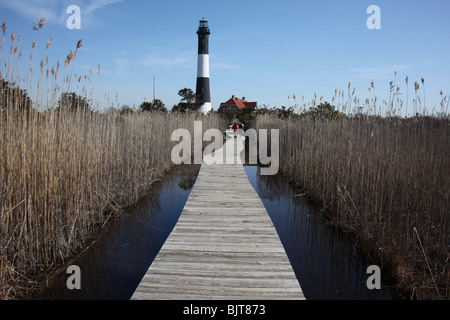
[(263, 50)]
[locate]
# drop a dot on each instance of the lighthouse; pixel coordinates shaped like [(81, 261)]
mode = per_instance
[(202, 90)]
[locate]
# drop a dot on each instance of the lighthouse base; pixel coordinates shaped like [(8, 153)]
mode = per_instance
[(206, 107)]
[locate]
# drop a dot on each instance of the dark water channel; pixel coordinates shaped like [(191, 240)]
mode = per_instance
[(113, 267), (324, 260)]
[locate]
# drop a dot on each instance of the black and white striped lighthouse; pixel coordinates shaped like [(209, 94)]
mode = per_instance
[(202, 90)]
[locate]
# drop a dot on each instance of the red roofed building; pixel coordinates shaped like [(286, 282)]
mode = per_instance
[(236, 105)]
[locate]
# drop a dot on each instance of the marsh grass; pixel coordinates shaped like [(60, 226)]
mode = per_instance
[(65, 173), (385, 182)]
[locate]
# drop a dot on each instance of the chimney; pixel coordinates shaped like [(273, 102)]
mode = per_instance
[(233, 97), (243, 98)]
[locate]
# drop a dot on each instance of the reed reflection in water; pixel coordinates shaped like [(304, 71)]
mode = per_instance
[(325, 261), (113, 266)]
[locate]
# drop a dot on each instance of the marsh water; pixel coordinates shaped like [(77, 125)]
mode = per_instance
[(326, 262)]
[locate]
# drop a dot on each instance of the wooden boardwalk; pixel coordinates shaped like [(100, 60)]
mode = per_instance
[(224, 245)]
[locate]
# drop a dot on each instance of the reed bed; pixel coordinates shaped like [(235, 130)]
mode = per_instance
[(63, 175), (384, 181), (63, 172)]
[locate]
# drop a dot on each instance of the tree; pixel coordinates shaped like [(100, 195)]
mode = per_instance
[(187, 95), (156, 105), (324, 111), (126, 110), (264, 109), (13, 97), (285, 113), (188, 101), (246, 116), (73, 102)]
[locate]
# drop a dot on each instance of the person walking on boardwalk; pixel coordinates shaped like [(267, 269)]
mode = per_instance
[(235, 127)]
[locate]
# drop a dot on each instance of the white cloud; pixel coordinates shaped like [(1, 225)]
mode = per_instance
[(222, 65), (179, 60), (381, 72), (54, 11), (99, 4), (186, 59), (36, 9), (123, 67)]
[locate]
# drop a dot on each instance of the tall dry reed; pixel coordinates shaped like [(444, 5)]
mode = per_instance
[(386, 182), (64, 173)]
